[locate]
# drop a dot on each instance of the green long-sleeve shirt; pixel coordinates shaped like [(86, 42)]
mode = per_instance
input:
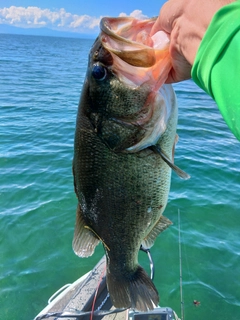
[(216, 68)]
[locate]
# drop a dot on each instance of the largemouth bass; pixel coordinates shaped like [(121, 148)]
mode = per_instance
[(123, 151)]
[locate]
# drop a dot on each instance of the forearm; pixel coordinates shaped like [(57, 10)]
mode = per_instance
[(216, 68)]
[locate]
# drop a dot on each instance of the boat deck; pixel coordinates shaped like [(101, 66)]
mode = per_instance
[(80, 296), (76, 302)]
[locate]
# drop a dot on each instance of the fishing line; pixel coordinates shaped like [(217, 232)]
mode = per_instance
[(89, 228), (96, 293), (180, 265), (78, 314)]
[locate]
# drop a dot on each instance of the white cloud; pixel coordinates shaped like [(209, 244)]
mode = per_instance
[(34, 17), (135, 14)]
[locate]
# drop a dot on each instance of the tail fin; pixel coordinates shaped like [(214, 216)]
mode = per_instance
[(133, 290)]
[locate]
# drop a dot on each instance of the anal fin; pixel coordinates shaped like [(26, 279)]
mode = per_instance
[(159, 227), (84, 240)]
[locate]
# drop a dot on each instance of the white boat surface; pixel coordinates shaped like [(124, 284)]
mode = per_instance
[(88, 298)]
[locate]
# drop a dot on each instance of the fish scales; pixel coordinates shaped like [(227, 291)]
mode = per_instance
[(121, 178)]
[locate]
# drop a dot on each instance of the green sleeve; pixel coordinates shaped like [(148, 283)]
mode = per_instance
[(216, 68)]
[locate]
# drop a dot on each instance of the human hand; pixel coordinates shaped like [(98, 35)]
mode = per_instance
[(186, 22)]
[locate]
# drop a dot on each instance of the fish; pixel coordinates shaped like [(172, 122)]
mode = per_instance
[(123, 154)]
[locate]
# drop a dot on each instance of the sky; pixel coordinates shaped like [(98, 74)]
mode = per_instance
[(75, 16)]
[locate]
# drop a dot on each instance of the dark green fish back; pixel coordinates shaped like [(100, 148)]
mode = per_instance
[(121, 195)]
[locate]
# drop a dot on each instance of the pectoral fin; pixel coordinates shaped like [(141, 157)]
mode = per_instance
[(84, 240), (159, 227), (182, 174)]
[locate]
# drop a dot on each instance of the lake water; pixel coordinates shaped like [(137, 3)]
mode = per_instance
[(40, 84)]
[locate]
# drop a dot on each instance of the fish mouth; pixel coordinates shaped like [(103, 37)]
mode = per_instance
[(122, 37), (138, 57), (141, 62)]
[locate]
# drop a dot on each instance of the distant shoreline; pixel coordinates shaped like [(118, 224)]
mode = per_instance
[(6, 29)]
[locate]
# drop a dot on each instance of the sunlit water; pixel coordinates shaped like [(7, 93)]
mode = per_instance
[(40, 84)]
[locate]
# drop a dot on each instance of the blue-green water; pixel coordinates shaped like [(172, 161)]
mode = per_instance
[(40, 84)]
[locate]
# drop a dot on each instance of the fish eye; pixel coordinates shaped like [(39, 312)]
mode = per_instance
[(99, 72)]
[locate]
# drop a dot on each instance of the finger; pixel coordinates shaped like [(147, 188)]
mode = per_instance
[(166, 18), (158, 24)]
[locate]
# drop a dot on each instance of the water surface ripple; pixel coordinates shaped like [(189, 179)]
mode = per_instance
[(40, 81)]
